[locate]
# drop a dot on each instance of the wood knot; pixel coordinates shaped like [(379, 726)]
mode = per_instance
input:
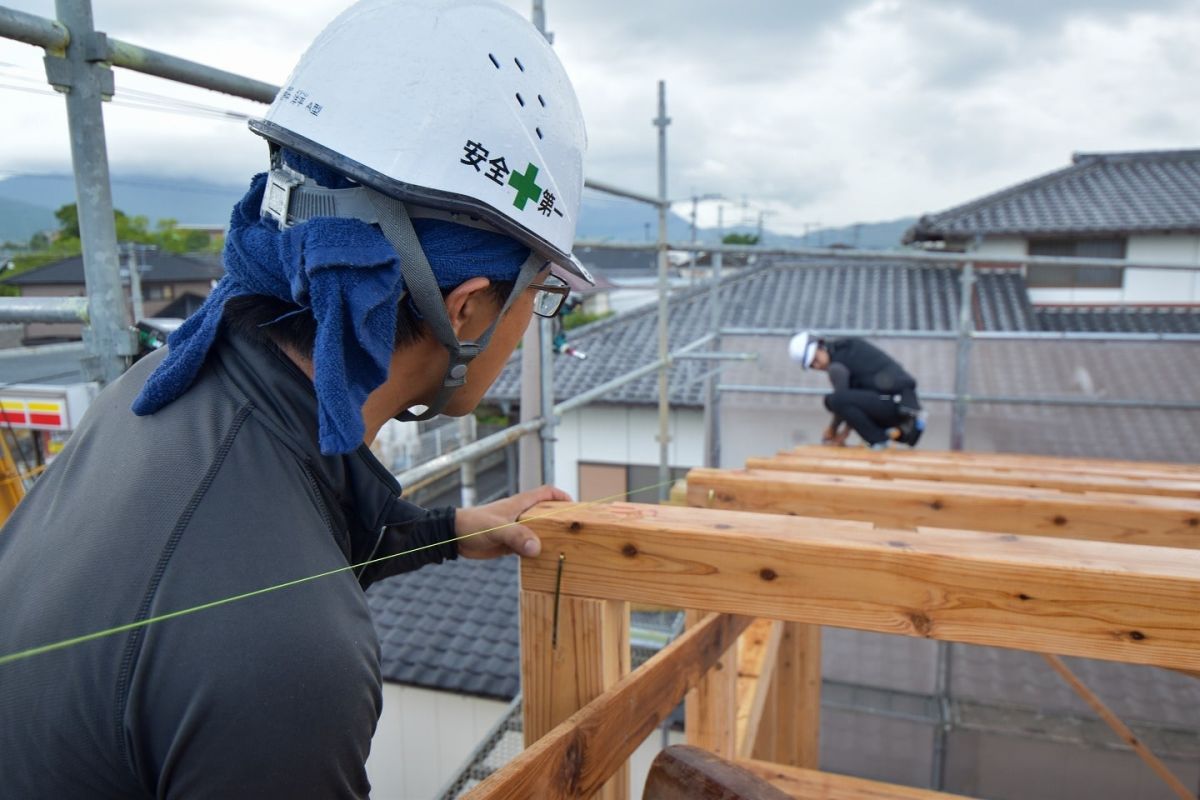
[(767, 574), (1023, 596), (575, 527), (629, 550), (572, 766), (921, 623), (1191, 522), (936, 505), (1060, 520), (897, 543), (1137, 636)]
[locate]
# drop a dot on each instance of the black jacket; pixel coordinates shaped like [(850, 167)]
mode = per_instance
[(221, 493), (865, 366)]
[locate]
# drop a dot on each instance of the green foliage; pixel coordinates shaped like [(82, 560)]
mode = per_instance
[(579, 318), (740, 238)]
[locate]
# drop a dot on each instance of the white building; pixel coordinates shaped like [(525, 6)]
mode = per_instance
[(1136, 206)]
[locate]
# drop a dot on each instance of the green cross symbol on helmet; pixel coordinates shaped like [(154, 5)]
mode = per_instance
[(526, 186)]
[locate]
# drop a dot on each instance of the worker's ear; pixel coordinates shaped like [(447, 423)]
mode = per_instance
[(471, 307)]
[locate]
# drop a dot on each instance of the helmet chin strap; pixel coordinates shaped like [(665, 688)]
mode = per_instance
[(422, 286), (291, 198)]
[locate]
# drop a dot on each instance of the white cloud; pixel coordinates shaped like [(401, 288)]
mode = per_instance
[(836, 112)]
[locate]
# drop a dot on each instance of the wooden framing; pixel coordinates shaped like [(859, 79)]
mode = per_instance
[(1130, 519), (578, 756), (1074, 586), (564, 670), (1041, 478)]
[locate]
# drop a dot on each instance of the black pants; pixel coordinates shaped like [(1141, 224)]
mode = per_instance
[(869, 413)]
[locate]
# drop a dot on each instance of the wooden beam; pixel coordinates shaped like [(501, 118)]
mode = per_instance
[(1120, 728), (591, 655), (1129, 519), (1062, 480), (710, 709), (689, 773), (795, 726), (1139, 605), (757, 652), (578, 756), (1010, 461), (809, 784)]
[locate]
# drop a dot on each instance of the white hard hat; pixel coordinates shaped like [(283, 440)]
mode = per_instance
[(461, 106), (803, 348)]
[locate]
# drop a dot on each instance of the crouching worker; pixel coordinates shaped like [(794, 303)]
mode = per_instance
[(196, 556), (872, 394)]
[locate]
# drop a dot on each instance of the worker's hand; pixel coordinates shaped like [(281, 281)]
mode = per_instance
[(502, 536), (828, 435)]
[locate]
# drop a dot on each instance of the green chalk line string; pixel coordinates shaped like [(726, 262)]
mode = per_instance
[(21, 655)]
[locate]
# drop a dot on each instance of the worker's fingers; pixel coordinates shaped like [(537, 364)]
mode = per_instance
[(519, 539)]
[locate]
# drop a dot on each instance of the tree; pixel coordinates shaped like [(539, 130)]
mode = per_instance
[(740, 238)]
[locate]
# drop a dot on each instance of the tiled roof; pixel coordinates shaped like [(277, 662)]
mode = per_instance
[(1085, 319), (1100, 193), (875, 296), (452, 627), (163, 268)]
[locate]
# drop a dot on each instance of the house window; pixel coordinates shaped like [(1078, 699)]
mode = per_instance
[(633, 483), (159, 291), (1051, 277)]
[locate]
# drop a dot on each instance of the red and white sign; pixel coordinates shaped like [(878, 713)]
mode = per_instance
[(45, 408)]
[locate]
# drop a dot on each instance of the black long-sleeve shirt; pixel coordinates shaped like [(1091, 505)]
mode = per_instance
[(858, 364), (221, 493)]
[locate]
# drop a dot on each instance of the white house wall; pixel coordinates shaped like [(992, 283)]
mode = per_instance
[(1141, 285), (623, 435), (423, 738)]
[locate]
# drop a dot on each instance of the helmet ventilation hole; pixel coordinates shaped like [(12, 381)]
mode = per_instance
[(539, 133), (520, 100), (520, 66), (494, 61), (542, 100)]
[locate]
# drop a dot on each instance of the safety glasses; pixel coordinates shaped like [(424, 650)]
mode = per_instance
[(550, 296)]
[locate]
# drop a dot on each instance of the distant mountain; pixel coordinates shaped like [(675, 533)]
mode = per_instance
[(19, 220), (35, 198)]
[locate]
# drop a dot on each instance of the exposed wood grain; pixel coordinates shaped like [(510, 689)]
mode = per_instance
[(794, 738), (1095, 599), (1041, 478), (710, 709), (1011, 461), (691, 773), (575, 759), (810, 784), (1132, 519), (757, 651), (1120, 728), (592, 654)]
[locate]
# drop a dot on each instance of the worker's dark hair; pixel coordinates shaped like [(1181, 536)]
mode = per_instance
[(267, 319)]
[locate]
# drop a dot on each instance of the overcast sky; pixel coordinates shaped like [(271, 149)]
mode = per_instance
[(835, 112)]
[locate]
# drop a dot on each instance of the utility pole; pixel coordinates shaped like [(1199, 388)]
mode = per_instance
[(664, 401)]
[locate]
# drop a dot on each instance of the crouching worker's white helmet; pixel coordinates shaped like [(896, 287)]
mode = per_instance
[(455, 108), (803, 348)]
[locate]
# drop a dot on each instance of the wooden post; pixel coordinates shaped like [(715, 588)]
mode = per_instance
[(758, 650), (575, 758), (793, 737), (591, 655), (710, 710)]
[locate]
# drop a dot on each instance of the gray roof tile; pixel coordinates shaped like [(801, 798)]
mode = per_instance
[(1099, 193)]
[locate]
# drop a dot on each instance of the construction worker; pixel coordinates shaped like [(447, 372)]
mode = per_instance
[(210, 528), (872, 394)]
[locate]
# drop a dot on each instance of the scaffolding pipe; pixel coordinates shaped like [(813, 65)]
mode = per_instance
[(466, 435), (999, 336), (616, 191), (919, 256), (962, 356), (44, 309), (33, 29), (664, 389), (712, 409), (546, 391), (180, 70), (85, 82), (1085, 402)]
